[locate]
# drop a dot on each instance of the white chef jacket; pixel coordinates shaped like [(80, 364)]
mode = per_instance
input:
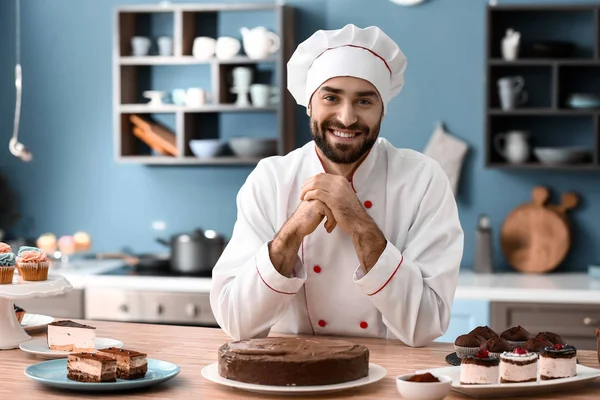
[(407, 294)]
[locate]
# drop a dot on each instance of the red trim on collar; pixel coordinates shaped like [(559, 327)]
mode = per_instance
[(388, 281)]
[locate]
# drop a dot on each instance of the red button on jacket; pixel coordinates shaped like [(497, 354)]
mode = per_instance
[(368, 204), (364, 325), (317, 269), (322, 323)]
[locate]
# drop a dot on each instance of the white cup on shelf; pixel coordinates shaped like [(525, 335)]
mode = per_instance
[(204, 47), (196, 97), (140, 45), (165, 46), (263, 95)]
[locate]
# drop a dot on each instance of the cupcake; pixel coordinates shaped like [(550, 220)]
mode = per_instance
[(467, 345), (4, 248), (537, 344), (83, 242), (7, 268), (516, 336), (551, 337), (47, 242), (32, 264), (484, 331), (496, 346)]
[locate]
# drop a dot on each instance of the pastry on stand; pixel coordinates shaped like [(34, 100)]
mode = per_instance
[(12, 333)]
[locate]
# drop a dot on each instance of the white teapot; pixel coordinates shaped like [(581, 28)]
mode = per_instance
[(259, 42)]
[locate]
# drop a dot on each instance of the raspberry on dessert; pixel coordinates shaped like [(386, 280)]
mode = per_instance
[(558, 346), (482, 354), (519, 350)]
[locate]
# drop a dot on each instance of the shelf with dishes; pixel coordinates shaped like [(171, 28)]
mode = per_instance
[(215, 81), (543, 69)]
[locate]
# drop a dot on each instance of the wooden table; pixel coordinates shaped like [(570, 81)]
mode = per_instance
[(193, 348)]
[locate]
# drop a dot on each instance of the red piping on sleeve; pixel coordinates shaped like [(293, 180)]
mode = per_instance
[(388, 281), (276, 291), (305, 297)]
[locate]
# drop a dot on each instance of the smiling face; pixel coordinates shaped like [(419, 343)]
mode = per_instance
[(345, 117)]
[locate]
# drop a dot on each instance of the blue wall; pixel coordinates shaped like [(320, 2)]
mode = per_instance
[(74, 184)]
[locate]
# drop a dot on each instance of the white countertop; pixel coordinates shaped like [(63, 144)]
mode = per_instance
[(82, 274), (548, 288)]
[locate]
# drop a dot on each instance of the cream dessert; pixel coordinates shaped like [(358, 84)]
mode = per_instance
[(130, 364), (480, 369), (518, 366), (557, 362), (71, 336), (90, 367)]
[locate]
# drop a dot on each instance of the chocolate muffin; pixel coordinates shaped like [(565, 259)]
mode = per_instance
[(466, 345), (551, 337), (484, 331), (496, 346), (536, 344), (516, 336)]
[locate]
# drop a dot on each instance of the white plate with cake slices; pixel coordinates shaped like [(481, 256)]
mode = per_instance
[(53, 373), (35, 322), (584, 376), (376, 373), (40, 348)]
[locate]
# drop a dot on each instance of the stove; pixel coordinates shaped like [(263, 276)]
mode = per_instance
[(159, 271)]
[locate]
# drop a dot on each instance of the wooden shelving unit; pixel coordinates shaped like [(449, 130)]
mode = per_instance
[(184, 22), (548, 81)]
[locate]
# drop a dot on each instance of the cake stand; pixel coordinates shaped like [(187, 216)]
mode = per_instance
[(12, 333)]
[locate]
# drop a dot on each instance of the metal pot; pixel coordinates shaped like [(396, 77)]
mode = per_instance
[(194, 253)]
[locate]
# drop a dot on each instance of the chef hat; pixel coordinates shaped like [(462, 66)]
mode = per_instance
[(366, 53)]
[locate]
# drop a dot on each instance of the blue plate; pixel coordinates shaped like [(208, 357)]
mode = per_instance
[(54, 373)]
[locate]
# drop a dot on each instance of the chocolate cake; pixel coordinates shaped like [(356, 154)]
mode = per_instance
[(496, 346), (558, 362), (468, 340), (293, 361), (551, 337), (90, 367), (130, 364), (479, 369), (516, 335), (536, 344)]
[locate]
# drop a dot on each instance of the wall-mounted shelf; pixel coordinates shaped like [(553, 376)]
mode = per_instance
[(549, 81), (220, 117)]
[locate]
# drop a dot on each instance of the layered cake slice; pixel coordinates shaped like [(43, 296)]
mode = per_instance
[(480, 369), (518, 366), (90, 367), (19, 313), (130, 364), (71, 336), (557, 362)]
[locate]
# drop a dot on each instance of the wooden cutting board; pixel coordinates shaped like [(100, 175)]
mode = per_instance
[(536, 237)]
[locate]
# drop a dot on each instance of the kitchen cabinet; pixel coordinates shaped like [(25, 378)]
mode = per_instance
[(68, 305), (576, 323), (149, 306), (465, 316)]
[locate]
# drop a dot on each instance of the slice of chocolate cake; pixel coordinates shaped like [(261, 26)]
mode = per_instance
[(130, 364), (68, 335), (90, 367)]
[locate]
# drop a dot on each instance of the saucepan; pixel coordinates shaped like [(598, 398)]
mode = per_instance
[(195, 252)]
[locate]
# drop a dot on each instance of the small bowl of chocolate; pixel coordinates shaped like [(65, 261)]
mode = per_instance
[(423, 386)]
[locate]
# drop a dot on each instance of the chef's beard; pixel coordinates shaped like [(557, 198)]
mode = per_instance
[(344, 153)]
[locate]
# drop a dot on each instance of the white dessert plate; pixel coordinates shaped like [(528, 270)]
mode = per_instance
[(54, 373), (211, 372), (584, 375), (40, 348), (35, 322)]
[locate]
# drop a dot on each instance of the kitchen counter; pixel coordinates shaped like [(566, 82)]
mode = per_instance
[(194, 348), (573, 288)]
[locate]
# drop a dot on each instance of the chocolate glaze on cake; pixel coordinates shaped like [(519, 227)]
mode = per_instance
[(562, 352), (71, 324), (484, 331), (293, 361), (516, 334)]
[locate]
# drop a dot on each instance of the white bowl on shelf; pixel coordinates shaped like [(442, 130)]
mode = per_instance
[(423, 390), (253, 147), (207, 148), (562, 155)]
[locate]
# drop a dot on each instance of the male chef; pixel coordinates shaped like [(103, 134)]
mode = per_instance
[(346, 235)]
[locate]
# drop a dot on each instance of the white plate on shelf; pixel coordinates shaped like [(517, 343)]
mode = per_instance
[(211, 372), (54, 374), (35, 322), (40, 348), (584, 376)]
